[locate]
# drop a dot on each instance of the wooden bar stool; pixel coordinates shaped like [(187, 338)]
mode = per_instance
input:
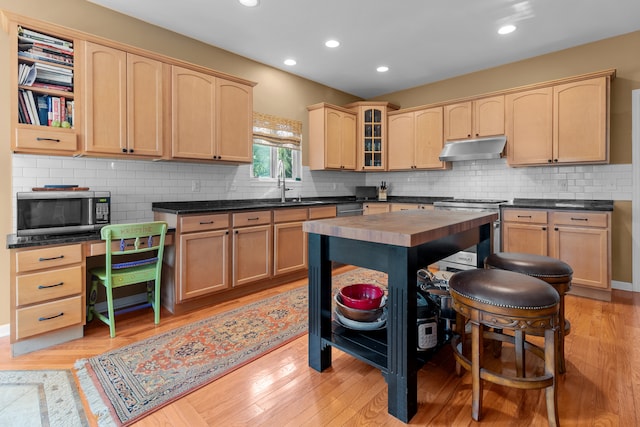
[(553, 271), (491, 298)]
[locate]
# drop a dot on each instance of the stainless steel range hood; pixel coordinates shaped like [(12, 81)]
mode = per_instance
[(474, 149)]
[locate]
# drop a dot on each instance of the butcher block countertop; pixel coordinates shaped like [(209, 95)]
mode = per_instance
[(403, 228)]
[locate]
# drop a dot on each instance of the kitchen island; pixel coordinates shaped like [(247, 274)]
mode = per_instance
[(397, 243)]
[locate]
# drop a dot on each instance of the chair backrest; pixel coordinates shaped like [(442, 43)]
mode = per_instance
[(134, 238)]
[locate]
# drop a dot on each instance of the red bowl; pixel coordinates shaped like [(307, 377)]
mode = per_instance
[(362, 296)]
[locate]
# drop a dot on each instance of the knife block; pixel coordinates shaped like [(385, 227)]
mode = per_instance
[(382, 194)]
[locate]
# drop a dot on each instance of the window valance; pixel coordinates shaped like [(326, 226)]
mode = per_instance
[(276, 131)]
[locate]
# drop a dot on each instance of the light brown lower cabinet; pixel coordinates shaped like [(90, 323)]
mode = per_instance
[(47, 296), (202, 255), (289, 241), (216, 253), (251, 247), (582, 239), (375, 208)]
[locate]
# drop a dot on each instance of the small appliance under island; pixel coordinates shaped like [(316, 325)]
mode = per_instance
[(397, 243)]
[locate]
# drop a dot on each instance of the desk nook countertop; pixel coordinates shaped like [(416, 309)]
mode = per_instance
[(397, 243)]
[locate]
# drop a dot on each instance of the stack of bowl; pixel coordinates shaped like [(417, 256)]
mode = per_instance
[(361, 306)]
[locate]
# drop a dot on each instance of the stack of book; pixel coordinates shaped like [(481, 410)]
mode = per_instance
[(44, 110), (47, 64), (56, 72)]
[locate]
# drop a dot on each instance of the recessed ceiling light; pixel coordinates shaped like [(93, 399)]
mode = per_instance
[(507, 29), (290, 61), (382, 69), (249, 3), (332, 43)]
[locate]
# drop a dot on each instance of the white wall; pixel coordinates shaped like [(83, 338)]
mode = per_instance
[(135, 184)]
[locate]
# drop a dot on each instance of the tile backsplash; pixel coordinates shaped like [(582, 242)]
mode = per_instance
[(135, 184)]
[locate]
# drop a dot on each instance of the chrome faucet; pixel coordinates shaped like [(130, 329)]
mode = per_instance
[(281, 185)]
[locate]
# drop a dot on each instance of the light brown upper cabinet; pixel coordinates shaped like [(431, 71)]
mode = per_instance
[(123, 98), (371, 134), (212, 117), (332, 137), (415, 139), (474, 119), (581, 121), (565, 123), (530, 126)]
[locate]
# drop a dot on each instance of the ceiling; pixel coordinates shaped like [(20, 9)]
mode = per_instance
[(421, 41)]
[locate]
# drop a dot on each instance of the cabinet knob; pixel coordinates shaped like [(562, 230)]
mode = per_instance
[(124, 150), (549, 161), (544, 228), (131, 150), (555, 160)]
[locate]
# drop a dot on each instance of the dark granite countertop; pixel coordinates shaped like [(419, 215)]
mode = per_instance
[(181, 208), (15, 242), (561, 204)]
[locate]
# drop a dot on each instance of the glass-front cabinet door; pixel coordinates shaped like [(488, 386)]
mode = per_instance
[(371, 136)]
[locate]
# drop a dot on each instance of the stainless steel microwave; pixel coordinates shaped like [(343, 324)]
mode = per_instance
[(62, 212)]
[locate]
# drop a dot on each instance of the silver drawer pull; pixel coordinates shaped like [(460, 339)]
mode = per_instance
[(206, 222), (51, 259), (50, 286), (579, 219), (47, 139), (42, 319)]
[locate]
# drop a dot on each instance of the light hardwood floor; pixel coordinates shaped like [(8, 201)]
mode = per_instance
[(601, 386)]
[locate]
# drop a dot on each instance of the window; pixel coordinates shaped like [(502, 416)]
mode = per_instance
[(276, 139)]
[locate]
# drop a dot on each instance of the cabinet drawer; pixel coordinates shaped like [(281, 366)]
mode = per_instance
[(48, 257), (584, 219), (203, 222), (47, 285), (322, 212), (46, 139), (244, 219), (522, 215), (289, 215), (48, 317), (396, 207)]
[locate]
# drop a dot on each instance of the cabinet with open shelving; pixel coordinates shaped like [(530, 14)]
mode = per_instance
[(371, 134), (43, 108)]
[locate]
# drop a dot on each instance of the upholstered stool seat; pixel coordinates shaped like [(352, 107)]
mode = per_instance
[(553, 271), (505, 300)]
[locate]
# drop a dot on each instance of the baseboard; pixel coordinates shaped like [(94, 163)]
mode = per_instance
[(622, 286)]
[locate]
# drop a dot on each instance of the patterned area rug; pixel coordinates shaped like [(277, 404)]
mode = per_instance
[(40, 398), (126, 384)]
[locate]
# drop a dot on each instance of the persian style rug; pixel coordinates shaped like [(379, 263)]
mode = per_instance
[(40, 398), (125, 384)]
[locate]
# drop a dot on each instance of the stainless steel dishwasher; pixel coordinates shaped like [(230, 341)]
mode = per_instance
[(349, 209)]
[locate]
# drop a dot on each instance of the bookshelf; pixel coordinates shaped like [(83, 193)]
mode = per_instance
[(43, 111), (45, 79)]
